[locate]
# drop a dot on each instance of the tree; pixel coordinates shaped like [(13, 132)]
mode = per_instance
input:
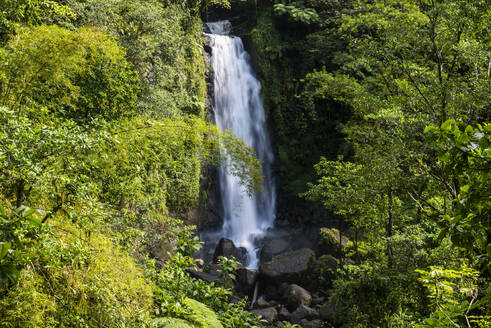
[(405, 68), (14, 13), (466, 157), (79, 75)]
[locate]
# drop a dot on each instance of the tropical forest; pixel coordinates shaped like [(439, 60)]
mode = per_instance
[(245, 163)]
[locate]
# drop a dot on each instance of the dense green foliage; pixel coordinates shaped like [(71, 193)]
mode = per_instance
[(406, 84), (102, 131), (103, 138), (68, 280)]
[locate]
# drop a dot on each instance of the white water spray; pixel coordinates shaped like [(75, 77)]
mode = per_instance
[(238, 107)]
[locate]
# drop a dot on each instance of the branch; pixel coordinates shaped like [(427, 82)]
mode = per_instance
[(422, 207), (52, 212), (418, 89)]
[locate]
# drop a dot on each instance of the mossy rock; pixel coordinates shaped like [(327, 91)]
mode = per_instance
[(172, 323), (329, 242), (201, 315)]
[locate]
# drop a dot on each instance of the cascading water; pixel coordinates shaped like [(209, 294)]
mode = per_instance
[(238, 107)]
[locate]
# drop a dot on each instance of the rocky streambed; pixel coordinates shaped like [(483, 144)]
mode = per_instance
[(286, 285)]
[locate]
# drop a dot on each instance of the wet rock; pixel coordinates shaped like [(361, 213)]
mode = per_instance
[(208, 277), (269, 314), (303, 312), (273, 247), (241, 255), (246, 280), (313, 324), (226, 248), (295, 295), (210, 207), (287, 267), (282, 223), (262, 303), (284, 314)]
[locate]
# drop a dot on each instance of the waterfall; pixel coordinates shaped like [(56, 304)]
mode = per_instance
[(238, 107)]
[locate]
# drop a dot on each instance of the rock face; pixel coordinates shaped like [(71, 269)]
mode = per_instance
[(246, 280), (269, 314), (295, 296), (287, 267), (241, 255), (273, 247)]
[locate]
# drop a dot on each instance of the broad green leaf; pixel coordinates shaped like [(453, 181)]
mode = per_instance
[(447, 125), (34, 221), (4, 248)]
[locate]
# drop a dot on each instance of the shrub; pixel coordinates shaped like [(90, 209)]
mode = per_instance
[(202, 315), (172, 323), (86, 74), (77, 279)]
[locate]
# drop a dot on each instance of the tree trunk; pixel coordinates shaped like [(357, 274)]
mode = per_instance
[(20, 193), (358, 256)]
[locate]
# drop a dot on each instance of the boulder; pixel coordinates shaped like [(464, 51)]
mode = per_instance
[(287, 267), (269, 314), (225, 248), (329, 242), (273, 247), (303, 312), (314, 324), (321, 273), (327, 312), (262, 303), (295, 295), (208, 277), (318, 299), (284, 314), (246, 280), (327, 262)]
